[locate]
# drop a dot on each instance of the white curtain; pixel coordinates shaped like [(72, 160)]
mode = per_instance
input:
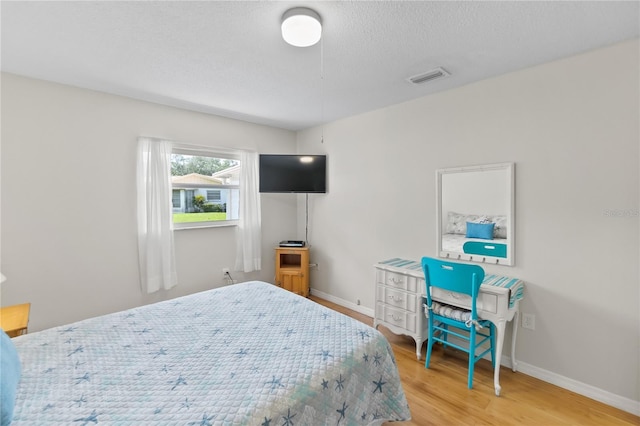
[(249, 231), (156, 253)]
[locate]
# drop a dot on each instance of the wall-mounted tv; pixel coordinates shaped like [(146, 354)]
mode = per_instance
[(293, 173)]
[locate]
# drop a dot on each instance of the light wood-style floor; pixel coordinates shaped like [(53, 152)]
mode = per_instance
[(439, 395)]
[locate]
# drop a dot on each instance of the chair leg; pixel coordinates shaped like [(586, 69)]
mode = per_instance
[(429, 347), (472, 355), (429, 341), (431, 323), (445, 335)]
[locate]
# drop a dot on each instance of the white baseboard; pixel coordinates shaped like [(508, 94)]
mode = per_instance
[(358, 308), (617, 401), (621, 402)]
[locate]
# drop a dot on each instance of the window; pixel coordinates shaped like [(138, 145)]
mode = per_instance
[(206, 188), (175, 198), (214, 195)]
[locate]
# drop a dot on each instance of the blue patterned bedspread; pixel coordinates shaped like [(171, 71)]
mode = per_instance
[(247, 354)]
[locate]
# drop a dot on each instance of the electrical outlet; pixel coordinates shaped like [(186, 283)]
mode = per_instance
[(225, 271), (358, 302), (529, 321)]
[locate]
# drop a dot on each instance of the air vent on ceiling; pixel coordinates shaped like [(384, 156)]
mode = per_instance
[(428, 76)]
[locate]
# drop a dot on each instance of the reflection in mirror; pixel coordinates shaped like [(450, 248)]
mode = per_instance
[(475, 213)]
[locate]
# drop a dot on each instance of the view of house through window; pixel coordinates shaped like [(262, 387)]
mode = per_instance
[(205, 189)]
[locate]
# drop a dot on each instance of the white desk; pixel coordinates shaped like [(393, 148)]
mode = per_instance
[(400, 289)]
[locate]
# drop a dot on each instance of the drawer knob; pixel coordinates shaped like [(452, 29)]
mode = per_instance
[(395, 280), (395, 298)]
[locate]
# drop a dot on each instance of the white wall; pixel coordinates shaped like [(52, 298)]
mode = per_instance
[(572, 129), (68, 232)]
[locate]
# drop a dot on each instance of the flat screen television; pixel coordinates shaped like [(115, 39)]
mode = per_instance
[(293, 173)]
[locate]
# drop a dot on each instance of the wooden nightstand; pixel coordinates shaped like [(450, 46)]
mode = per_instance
[(292, 269), (14, 319)]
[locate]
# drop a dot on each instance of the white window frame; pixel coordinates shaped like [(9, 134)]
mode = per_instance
[(227, 154)]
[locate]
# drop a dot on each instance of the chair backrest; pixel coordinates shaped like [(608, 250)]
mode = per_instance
[(452, 276)]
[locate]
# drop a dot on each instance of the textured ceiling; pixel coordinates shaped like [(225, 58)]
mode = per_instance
[(228, 58)]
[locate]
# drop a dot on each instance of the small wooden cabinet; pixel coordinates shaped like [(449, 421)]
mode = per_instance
[(292, 269), (15, 319)]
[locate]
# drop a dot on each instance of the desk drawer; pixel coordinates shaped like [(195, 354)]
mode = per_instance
[(397, 317), (486, 302), (397, 298), (399, 281)]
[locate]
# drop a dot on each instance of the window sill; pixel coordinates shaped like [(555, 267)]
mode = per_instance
[(204, 225)]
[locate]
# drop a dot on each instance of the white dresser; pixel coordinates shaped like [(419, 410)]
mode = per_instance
[(399, 293), (400, 289)]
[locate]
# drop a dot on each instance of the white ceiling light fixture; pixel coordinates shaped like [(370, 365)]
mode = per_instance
[(301, 27)]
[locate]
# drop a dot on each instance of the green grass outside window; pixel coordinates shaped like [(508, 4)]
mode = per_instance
[(198, 217)]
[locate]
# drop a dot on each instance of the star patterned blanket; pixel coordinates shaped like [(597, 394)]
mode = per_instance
[(247, 354)]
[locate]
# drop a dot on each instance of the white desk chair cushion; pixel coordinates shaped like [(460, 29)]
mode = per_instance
[(449, 311), (453, 312)]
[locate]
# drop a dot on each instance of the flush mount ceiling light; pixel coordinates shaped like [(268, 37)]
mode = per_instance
[(301, 27)]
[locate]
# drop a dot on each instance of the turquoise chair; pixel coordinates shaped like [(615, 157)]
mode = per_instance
[(464, 279)]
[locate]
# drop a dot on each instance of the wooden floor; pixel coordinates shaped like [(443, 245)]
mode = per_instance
[(439, 395)]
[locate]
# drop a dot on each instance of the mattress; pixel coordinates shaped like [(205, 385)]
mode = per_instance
[(247, 354)]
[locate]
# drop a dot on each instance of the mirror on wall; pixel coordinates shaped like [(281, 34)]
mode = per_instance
[(475, 213)]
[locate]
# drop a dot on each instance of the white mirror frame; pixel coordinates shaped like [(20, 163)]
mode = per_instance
[(482, 258)]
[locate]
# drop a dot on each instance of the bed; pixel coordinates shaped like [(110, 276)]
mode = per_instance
[(475, 234), (247, 354)]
